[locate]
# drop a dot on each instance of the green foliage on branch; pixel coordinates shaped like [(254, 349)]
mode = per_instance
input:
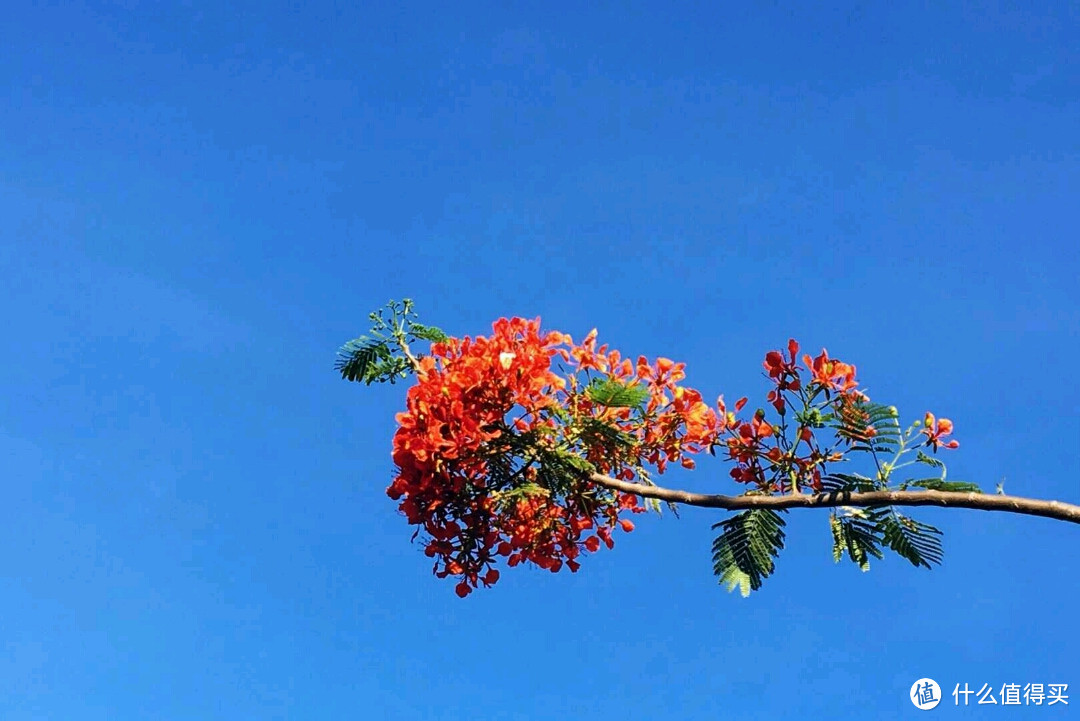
[(743, 553), (383, 355)]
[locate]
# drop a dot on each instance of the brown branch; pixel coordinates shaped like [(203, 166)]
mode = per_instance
[(946, 499), (413, 361)]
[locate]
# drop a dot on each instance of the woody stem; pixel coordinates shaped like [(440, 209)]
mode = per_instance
[(945, 499)]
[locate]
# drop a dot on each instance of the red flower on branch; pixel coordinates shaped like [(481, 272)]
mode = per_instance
[(830, 374), (481, 418), (936, 429), (500, 435)]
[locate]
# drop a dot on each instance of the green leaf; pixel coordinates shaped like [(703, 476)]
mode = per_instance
[(839, 539), (936, 484), (594, 431), (918, 542), (929, 460), (377, 357), (390, 369), (812, 418), (848, 483), (357, 358), (861, 415), (559, 412), (612, 393), (743, 553), (574, 461), (427, 332), (733, 577), (858, 534)]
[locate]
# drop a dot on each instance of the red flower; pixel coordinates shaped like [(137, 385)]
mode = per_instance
[(934, 431), (785, 372), (831, 374)]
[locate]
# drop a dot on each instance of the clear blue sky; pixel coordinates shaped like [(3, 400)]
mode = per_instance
[(202, 201)]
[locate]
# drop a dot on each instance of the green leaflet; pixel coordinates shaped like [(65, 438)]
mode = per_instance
[(427, 332), (918, 542), (848, 482), (595, 432), (368, 360), (614, 394), (930, 461), (936, 484), (856, 533), (863, 533), (576, 462), (883, 419), (743, 553), (839, 541)]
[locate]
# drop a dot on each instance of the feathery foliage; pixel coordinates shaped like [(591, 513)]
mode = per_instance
[(854, 423), (918, 542), (856, 531), (614, 394), (863, 532), (936, 484), (743, 553), (849, 483), (370, 360), (382, 356)]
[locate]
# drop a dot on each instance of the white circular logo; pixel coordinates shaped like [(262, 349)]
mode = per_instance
[(925, 694)]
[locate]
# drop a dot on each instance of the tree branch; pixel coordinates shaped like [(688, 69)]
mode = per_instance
[(946, 499)]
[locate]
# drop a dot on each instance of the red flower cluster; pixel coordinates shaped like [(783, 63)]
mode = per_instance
[(786, 465), (495, 448), (487, 413)]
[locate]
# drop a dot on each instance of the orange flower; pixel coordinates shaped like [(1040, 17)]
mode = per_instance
[(831, 374), (935, 430)]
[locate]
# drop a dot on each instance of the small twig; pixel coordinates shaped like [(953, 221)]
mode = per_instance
[(408, 354)]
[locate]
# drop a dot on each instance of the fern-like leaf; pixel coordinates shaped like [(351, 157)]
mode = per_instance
[(427, 332), (930, 460), (390, 369), (857, 533), (918, 542), (869, 427), (574, 462), (743, 553), (613, 394), (936, 484), (595, 432), (848, 483), (839, 539), (357, 359)]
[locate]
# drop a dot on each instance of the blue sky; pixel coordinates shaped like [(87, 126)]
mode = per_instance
[(202, 201)]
